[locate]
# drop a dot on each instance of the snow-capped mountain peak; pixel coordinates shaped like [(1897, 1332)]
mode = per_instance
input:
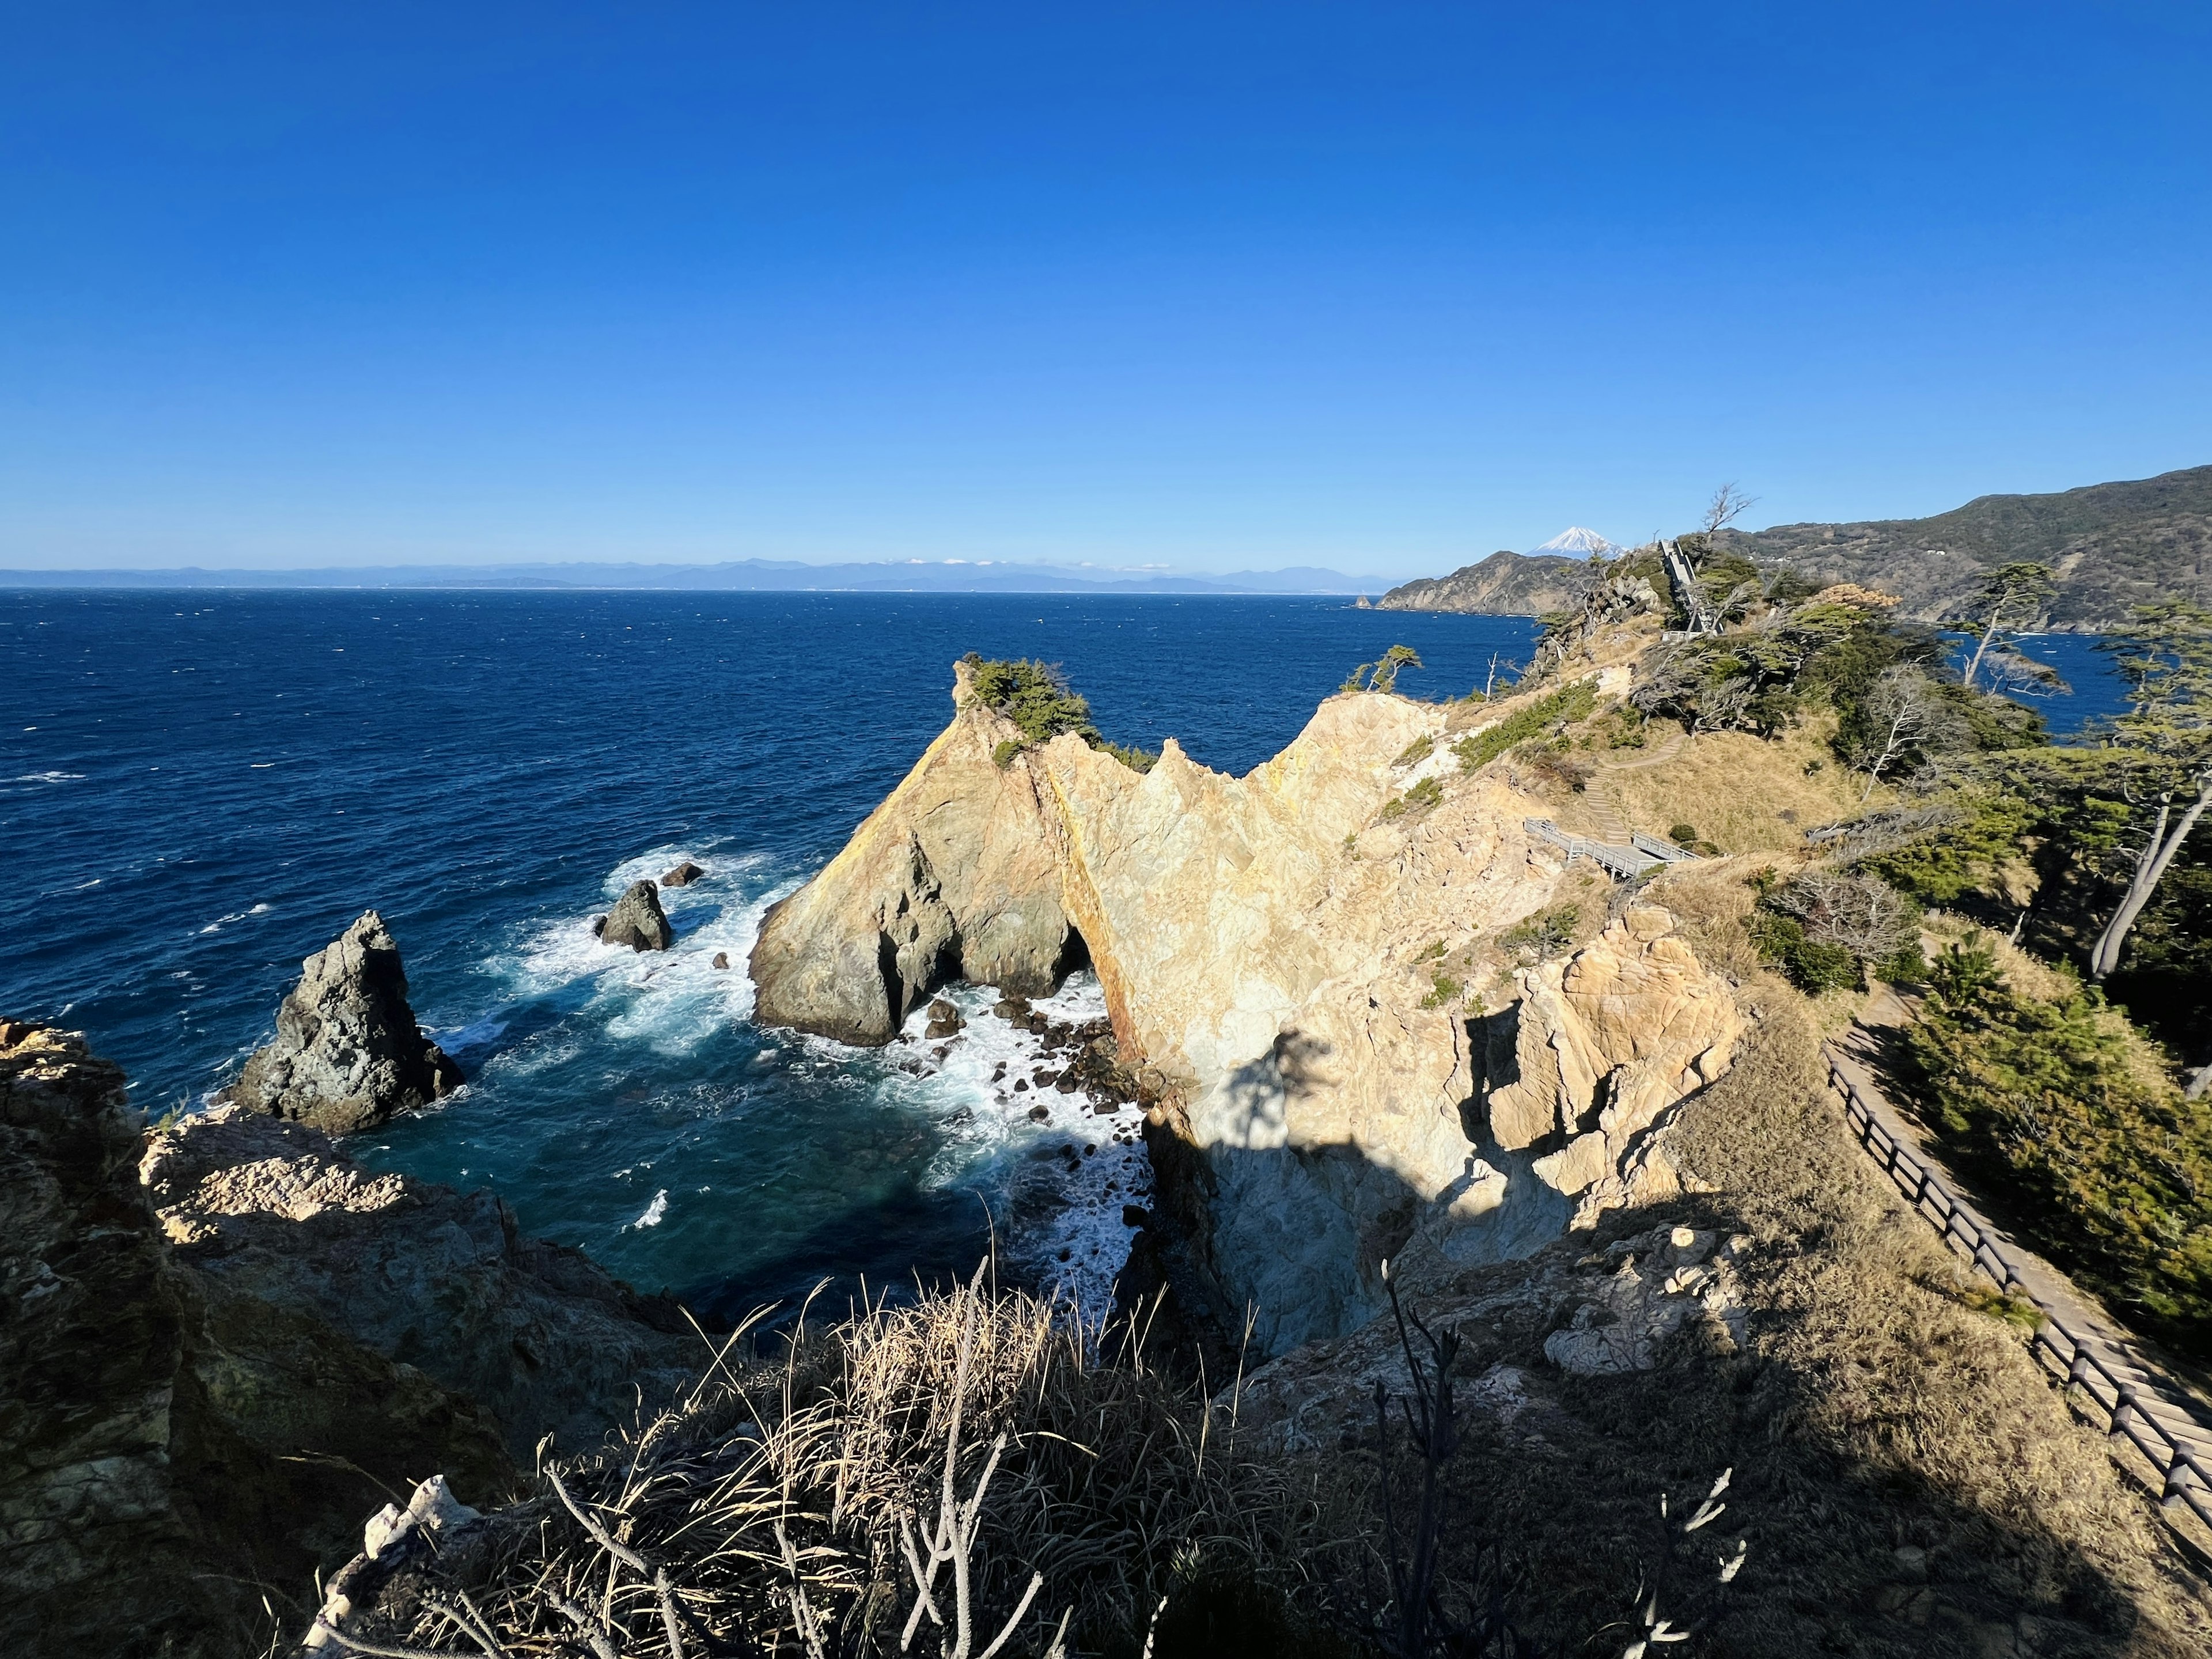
[(1577, 543)]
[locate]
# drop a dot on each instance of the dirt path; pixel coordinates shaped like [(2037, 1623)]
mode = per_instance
[(2147, 1399)]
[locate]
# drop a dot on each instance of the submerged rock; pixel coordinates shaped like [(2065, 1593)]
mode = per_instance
[(347, 1053), (637, 921)]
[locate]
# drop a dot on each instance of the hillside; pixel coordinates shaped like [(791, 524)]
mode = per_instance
[(1503, 585), (2113, 545)]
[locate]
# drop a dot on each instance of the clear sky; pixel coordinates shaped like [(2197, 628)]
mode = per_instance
[(1371, 286)]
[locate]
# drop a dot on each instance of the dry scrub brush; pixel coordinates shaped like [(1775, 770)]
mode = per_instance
[(971, 1443)]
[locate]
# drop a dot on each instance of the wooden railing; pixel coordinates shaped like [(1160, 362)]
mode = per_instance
[(2179, 1477)]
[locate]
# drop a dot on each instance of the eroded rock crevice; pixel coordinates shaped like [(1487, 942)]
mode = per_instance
[(1323, 1100)]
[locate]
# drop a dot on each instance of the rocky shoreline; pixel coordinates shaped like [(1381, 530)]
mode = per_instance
[(227, 1339)]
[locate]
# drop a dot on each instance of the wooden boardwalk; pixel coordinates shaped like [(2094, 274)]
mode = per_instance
[(2159, 1427)]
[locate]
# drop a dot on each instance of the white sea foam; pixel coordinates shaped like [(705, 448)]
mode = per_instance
[(1065, 1203), (46, 777), (653, 1211), (671, 1000)]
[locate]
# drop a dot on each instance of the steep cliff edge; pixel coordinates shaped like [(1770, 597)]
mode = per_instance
[(209, 1375), (1265, 945)]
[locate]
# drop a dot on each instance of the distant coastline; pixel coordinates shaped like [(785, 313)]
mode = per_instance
[(742, 576)]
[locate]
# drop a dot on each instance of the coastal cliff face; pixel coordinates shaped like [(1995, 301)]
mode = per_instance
[(1262, 943), (219, 1350)]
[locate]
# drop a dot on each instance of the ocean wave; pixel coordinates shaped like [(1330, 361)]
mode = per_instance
[(654, 1214), (1064, 1178)]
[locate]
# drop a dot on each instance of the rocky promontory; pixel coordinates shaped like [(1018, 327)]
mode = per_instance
[(348, 1052), (1269, 947), (225, 1343)]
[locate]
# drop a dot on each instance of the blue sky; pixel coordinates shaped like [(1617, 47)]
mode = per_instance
[(1377, 286)]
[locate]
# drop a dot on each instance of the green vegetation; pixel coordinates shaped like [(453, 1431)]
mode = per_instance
[(1562, 708), (1434, 949), (1810, 965), (1420, 798), (1382, 676), (1543, 935), (1036, 696), (2108, 1168), (1825, 927), (1416, 751), (1683, 834), (1136, 759), (1443, 991)]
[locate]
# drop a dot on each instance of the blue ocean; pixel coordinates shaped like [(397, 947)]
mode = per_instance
[(199, 789)]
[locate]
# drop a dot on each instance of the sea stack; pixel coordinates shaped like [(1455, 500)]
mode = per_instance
[(637, 921), (348, 1052)]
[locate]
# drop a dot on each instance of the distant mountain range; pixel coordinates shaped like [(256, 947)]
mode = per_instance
[(742, 576), (2113, 545)]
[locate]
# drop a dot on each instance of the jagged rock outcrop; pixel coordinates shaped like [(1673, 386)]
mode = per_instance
[(1603, 1042), (536, 1334), (956, 874), (166, 1449), (1260, 942), (199, 1401), (637, 921), (347, 1053), (683, 875)]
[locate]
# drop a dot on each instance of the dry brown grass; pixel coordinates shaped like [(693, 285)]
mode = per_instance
[(1733, 788), (773, 1498)]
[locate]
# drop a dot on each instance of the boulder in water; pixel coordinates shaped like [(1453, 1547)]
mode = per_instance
[(348, 1052), (637, 921), (721, 958), (683, 875)]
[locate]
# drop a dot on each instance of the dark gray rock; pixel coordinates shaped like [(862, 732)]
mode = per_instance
[(637, 921), (348, 1052), (683, 875)]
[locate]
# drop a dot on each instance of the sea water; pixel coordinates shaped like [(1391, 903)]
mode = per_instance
[(198, 790)]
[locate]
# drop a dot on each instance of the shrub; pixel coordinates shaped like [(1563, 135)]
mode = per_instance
[(1416, 751), (2102, 1164), (1810, 965), (1036, 698), (1683, 834), (1137, 759), (1543, 935), (1443, 991), (1564, 706), (1419, 798)]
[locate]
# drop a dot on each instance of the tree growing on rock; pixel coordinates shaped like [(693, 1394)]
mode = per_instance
[(1386, 671)]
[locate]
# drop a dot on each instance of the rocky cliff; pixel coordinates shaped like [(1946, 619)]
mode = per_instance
[(348, 1052), (1503, 585), (1266, 946), (219, 1350)]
